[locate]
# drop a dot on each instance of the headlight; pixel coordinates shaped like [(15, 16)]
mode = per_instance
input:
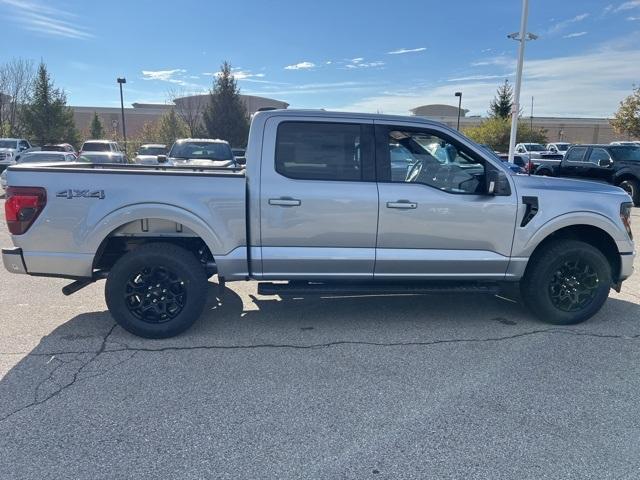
[(625, 216)]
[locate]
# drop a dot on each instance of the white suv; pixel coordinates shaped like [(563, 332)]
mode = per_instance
[(11, 149)]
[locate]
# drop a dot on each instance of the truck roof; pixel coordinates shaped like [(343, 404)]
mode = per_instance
[(365, 116)]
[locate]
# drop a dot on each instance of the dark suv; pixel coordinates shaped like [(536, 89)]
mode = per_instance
[(615, 164)]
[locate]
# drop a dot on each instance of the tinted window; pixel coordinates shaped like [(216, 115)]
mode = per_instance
[(201, 151), (436, 162), (575, 154), (598, 154), (42, 157), (8, 144), (319, 151), (625, 153), (97, 158), (24, 144), (96, 147), (152, 151)]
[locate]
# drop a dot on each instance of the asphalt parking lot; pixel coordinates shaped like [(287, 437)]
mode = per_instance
[(377, 387)]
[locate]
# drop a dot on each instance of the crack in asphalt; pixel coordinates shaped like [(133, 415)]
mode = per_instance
[(102, 349), (62, 388)]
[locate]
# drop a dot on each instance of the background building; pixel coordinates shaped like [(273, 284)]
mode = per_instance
[(141, 113), (565, 129)]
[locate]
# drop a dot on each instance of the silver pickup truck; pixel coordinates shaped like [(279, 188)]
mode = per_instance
[(331, 203)]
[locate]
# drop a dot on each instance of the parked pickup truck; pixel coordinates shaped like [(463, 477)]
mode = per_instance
[(318, 206), (615, 164)]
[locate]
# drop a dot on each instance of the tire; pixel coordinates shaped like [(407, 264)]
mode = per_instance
[(157, 290), (544, 173), (559, 284), (632, 187)]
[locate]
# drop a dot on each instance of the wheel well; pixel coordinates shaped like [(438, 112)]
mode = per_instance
[(594, 236), (626, 176), (113, 247)]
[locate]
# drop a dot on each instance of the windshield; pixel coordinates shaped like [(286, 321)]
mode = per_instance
[(152, 151), (562, 147), (96, 147), (534, 147), (201, 150), (625, 153), (8, 144), (97, 158), (42, 157)]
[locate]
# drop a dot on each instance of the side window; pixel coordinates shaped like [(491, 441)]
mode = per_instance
[(23, 145), (320, 151), (598, 154), (417, 156), (575, 154)]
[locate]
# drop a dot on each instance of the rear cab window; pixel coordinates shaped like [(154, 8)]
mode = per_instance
[(324, 151), (575, 154), (96, 147)]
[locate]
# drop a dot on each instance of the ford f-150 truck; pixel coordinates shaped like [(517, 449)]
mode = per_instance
[(320, 205)]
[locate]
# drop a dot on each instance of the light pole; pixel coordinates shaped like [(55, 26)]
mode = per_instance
[(459, 95), (521, 37), (124, 129)]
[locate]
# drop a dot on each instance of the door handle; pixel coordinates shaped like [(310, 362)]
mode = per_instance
[(285, 202), (402, 204)]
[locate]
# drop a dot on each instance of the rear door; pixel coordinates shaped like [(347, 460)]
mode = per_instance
[(595, 171), (318, 198)]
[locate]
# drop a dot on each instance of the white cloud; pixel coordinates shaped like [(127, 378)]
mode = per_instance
[(632, 19), (628, 5), (300, 66), (575, 35), (406, 50), (589, 85), (163, 75), (49, 21), (565, 23)]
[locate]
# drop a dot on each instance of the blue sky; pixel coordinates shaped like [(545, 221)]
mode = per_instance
[(348, 55)]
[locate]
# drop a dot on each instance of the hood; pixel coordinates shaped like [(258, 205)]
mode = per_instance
[(14, 150), (205, 163), (540, 184)]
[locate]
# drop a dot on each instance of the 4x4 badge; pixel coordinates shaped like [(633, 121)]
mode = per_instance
[(71, 193)]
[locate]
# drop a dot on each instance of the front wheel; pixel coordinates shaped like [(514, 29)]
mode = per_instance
[(567, 283), (157, 290), (632, 187)]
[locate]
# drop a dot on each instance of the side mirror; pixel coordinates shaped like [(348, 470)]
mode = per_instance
[(241, 160), (162, 159), (605, 162), (497, 183)]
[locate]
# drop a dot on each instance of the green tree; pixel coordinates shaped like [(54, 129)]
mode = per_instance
[(96, 130), (501, 105), (495, 133), (626, 121), (170, 127), (225, 116), (47, 118)]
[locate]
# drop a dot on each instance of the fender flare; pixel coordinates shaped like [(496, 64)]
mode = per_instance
[(108, 224), (572, 219), (621, 173)]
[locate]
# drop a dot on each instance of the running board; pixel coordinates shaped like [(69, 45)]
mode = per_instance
[(375, 288)]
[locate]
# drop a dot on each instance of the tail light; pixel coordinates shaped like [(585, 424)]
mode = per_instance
[(22, 206), (625, 216)]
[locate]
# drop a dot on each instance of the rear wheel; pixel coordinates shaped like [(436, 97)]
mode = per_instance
[(567, 283), (156, 291), (632, 187)]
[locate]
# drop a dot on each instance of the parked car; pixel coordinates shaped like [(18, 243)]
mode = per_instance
[(59, 147), (103, 157), (38, 157), (558, 147), (101, 146), (615, 164), (625, 143), (240, 155), (202, 151), (148, 153), (318, 206), (11, 149)]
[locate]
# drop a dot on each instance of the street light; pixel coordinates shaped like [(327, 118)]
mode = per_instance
[(459, 95), (124, 129), (521, 37)]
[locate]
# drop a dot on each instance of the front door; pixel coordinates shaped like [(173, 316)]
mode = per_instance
[(436, 220), (318, 199)]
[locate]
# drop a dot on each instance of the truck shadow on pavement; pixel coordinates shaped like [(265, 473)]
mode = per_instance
[(91, 344)]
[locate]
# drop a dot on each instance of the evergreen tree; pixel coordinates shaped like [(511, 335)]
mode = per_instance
[(626, 121), (171, 127), (225, 117), (96, 130), (47, 118), (501, 105)]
